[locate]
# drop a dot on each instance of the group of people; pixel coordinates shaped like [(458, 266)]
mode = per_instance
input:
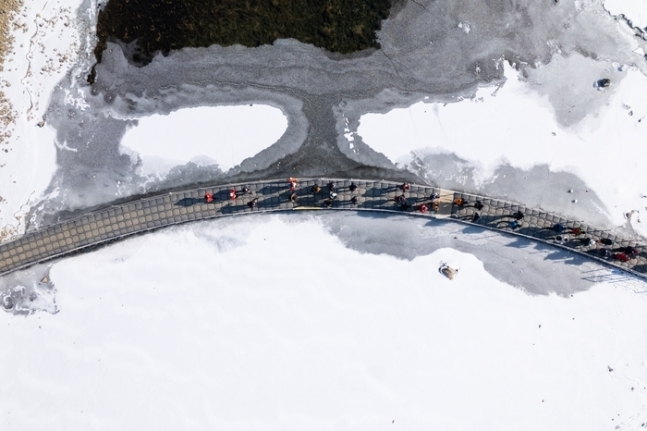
[(563, 234), (512, 221), (332, 193), (292, 188), (233, 194), (622, 254), (316, 189), (424, 207)]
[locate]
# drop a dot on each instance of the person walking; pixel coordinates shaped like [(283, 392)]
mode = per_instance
[(331, 186), (557, 227), (512, 224), (577, 231), (245, 190), (628, 250), (423, 208), (587, 242), (293, 184), (604, 253), (401, 200), (405, 187), (622, 257), (233, 195), (327, 203), (253, 203), (208, 197), (518, 215), (459, 202), (315, 189), (353, 200), (352, 187), (332, 195), (476, 217)]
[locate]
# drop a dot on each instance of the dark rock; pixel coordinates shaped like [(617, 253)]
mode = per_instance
[(603, 83)]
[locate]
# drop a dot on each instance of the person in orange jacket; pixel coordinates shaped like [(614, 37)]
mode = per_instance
[(293, 184)]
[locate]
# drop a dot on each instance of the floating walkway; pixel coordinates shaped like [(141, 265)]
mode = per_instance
[(151, 213)]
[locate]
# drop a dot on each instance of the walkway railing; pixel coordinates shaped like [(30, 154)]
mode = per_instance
[(145, 214)]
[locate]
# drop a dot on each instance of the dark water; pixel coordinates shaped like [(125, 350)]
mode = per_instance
[(342, 26)]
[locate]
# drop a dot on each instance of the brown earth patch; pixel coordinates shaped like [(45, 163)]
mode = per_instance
[(8, 10)]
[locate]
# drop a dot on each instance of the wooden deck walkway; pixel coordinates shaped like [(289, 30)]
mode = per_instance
[(150, 213)]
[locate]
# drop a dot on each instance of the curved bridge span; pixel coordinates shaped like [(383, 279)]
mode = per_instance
[(154, 212)]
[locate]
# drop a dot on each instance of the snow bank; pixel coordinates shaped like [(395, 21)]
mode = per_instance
[(223, 135), (46, 45), (268, 323), (633, 10), (514, 124)]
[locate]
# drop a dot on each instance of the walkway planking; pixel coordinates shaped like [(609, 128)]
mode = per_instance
[(145, 214)]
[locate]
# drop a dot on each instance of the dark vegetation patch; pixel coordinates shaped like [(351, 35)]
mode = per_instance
[(342, 26)]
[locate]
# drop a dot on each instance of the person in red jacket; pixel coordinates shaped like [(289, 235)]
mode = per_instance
[(577, 231), (622, 257), (293, 184), (423, 208), (208, 197), (233, 195)]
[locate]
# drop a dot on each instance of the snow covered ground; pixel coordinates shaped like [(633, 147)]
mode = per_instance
[(46, 45), (275, 322), (270, 322), (517, 125), (223, 136), (633, 10)]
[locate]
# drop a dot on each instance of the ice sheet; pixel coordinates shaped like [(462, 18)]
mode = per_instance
[(271, 323), (222, 135), (516, 125)]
